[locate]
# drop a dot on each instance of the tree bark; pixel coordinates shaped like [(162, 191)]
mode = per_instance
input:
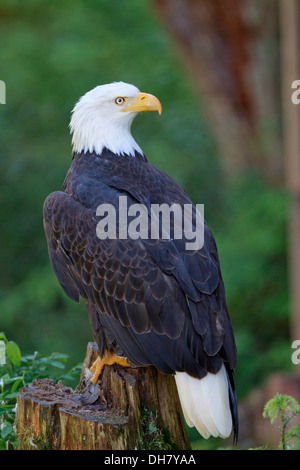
[(290, 71), (138, 408), (230, 50)]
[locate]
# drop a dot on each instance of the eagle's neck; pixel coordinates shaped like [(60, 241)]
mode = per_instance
[(96, 134)]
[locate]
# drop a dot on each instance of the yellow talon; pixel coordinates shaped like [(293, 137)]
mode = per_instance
[(108, 359)]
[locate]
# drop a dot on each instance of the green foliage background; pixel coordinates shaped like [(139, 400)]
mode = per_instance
[(51, 53)]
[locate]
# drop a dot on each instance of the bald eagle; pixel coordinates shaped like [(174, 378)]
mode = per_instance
[(158, 302)]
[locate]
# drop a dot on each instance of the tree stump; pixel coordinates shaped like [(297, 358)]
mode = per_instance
[(137, 408)]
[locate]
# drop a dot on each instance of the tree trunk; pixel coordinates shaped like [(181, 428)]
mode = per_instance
[(230, 49), (290, 71), (138, 408)]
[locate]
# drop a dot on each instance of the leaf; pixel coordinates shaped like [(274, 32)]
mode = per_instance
[(11, 396), (17, 383), (2, 352), (280, 404), (294, 431), (13, 353), (3, 337), (4, 379), (57, 364), (60, 356), (6, 429)]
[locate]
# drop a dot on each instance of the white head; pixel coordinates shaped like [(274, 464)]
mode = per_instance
[(103, 117)]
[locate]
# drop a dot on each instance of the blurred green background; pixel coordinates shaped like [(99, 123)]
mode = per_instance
[(51, 53)]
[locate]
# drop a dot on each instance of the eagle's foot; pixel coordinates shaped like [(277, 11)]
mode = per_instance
[(91, 392), (108, 359)]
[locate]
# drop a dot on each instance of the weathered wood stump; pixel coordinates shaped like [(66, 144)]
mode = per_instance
[(138, 408)]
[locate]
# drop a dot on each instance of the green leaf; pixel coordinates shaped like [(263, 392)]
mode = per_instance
[(4, 379), (57, 364), (6, 429), (280, 404), (13, 353), (61, 356), (18, 382), (294, 431), (3, 337)]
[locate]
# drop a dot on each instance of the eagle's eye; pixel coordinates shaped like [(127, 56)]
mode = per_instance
[(119, 100)]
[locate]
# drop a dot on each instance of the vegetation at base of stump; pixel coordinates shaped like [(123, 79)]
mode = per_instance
[(19, 371), (154, 438)]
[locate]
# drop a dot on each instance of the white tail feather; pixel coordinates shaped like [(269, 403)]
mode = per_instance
[(205, 403)]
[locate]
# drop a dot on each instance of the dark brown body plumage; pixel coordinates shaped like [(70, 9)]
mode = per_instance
[(159, 303)]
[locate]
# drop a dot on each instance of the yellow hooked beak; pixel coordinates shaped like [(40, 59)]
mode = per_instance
[(143, 102)]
